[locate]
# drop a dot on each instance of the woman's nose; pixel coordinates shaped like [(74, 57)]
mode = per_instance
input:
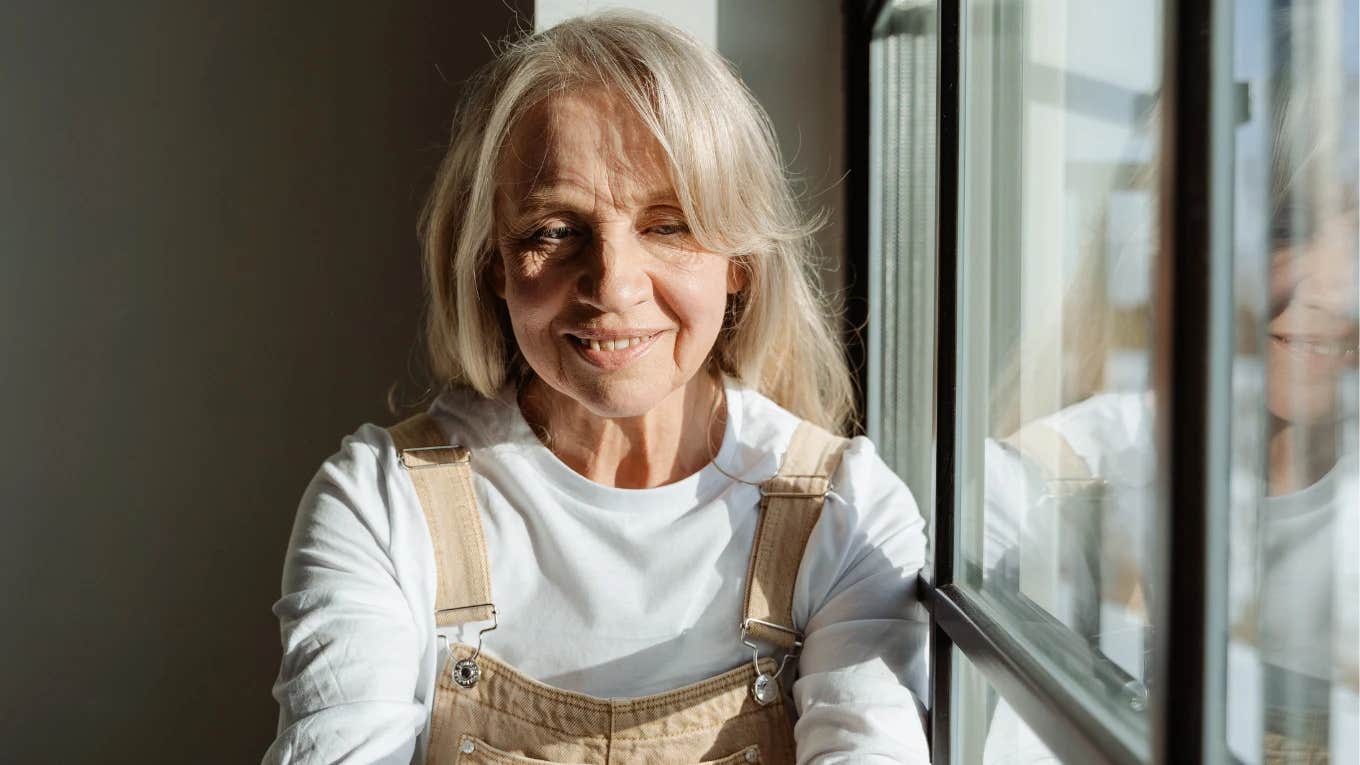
[(615, 277)]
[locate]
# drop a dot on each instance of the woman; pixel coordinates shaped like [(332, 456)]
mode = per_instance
[(647, 545)]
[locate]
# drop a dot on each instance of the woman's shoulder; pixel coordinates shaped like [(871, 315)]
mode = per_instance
[(344, 520), (1112, 433), (763, 428), (362, 470), (477, 422), (364, 457), (862, 483), (361, 505)]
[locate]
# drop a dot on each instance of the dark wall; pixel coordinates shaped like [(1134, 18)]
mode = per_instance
[(788, 52), (208, 276)]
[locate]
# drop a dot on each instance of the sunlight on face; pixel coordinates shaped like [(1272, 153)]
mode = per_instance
[(611, 300)]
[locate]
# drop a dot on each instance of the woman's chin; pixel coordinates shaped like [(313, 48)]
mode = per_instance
[(1303, 391), (1305, 407), (609, 397), (623, 400)]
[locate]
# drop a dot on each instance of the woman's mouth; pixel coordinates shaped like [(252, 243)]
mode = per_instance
[(613, 351), (1314, 356), (1319, 346)]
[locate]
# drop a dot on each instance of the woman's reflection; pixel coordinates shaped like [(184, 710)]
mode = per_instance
[(1070, 501)]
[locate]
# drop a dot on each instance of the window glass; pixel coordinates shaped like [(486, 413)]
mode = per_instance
[(988, 730), (1056, 465), (1294, 540)]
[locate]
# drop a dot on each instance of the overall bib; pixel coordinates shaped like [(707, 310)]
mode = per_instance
[(485, 711)]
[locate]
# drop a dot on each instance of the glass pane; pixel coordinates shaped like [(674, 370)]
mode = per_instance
[(1294, 545), (987, 730), (1056, 464), (901, 400)]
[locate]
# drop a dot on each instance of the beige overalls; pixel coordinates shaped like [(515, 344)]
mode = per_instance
[(487, 712)]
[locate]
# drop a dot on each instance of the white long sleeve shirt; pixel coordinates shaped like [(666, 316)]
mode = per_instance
[(605, 591)]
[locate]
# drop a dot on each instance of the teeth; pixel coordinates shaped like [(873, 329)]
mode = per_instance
[(611, 345), (1319, 347)]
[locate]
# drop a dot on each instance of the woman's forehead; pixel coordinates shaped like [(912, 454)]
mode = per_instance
[(587, 145)]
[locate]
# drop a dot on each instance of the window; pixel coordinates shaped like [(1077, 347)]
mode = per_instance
[(1112, 346), (1056, 464)]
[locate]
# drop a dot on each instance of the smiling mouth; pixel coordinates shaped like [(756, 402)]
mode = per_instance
[(1315, 345), (615, 352), (613, 344)]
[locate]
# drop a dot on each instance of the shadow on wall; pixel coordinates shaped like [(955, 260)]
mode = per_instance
[(208, 275)]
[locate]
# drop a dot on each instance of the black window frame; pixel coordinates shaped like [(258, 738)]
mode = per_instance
[(1190, 381)]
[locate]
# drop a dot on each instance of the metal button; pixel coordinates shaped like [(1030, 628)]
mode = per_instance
[(466, 673), (467, 746), (765, 689), (751, 755)]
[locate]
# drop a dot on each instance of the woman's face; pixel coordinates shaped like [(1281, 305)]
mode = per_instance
[(612, 302), (1313, 329)]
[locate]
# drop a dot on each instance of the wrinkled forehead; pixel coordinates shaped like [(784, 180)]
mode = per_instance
[(589, 146)]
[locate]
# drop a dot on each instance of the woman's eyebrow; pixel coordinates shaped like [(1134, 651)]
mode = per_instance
[(556, 196), (571, 197), (665, 198)]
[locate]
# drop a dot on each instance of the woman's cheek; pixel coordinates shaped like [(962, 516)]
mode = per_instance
[(706, 306), (531, 315), (533, 295)]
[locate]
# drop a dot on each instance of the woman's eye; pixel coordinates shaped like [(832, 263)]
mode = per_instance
[(670, 229), (553, 234)]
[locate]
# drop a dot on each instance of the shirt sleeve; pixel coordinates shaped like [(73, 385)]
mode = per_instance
[(351, 652), (863, 669)]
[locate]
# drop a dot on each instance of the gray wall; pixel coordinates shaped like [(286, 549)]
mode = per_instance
[(208, 275), (789, 53)]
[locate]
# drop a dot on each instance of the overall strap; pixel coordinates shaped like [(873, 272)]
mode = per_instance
[(442, 475), (790, 504)]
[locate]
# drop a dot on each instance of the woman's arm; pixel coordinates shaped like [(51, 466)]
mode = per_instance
[(863, 669), (351, 649)]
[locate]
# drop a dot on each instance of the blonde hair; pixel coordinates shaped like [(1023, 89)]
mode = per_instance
[(725, 166)]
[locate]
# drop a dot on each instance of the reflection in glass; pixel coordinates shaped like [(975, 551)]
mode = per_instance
[(1057, 462), (988, 731), (1056, 459), (1295, 541)]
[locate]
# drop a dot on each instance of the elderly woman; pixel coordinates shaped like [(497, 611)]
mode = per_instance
[(625, 531)]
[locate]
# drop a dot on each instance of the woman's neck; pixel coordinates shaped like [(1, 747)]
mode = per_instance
[(1299, 455), (674, 440)]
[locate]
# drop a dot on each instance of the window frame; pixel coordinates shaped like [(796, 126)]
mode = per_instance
[(1190, 369)]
